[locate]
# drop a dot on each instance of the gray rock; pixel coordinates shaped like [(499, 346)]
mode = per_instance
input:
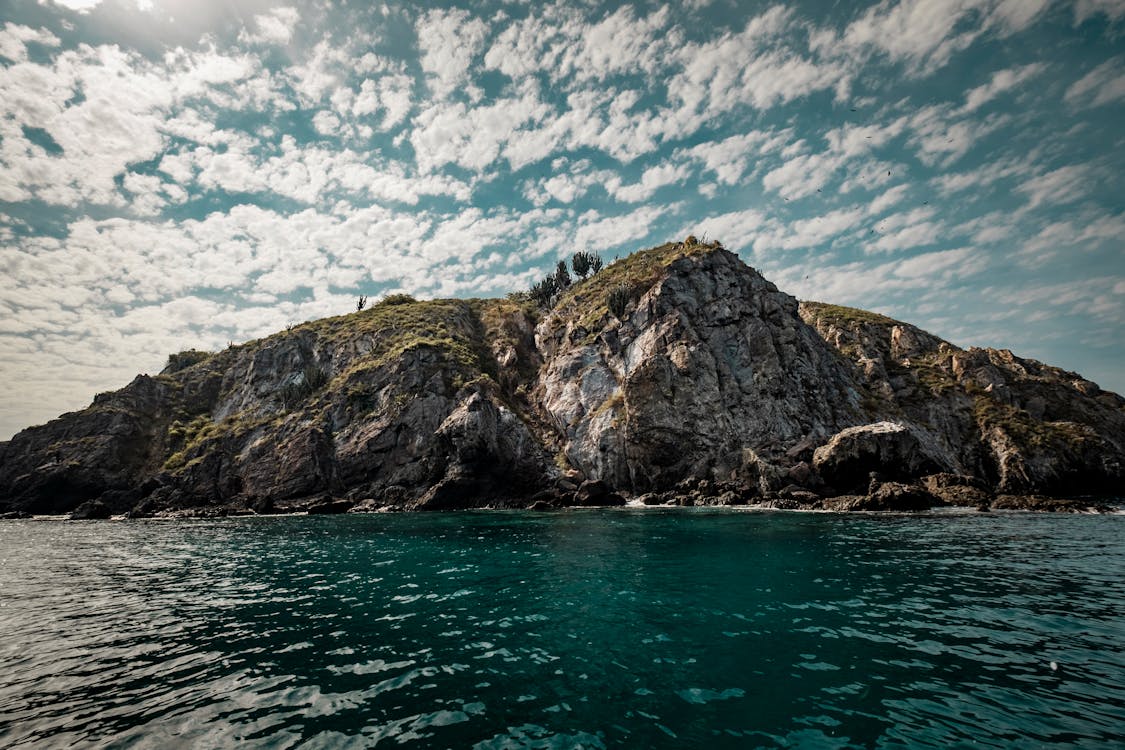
[(91, 510), (717, 388), (892, 449)]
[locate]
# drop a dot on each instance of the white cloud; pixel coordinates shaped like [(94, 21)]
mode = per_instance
[(925, 34), (82, 6), (984, 175), (730, 158), (1057, 187), (960, 263), (754, 67), (14, 39), (472, 137), (811, 232), (274, 27), (596, 231), (575, 51), (326, 123), (736, 229), (1001, 81), (651, 180), (1102, 85), (1114, 10), (391, 95), (449, 41)]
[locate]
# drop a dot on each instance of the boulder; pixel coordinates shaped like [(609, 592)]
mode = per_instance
[(330, 507), (90, 510), (592, 492), (958, 489), (892, 449), (887, 496), (1048, 504)]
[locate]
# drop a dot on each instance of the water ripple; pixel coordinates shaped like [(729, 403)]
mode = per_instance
[(583, 629)]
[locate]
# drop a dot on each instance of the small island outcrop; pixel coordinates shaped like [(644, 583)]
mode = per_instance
[(675, 375)]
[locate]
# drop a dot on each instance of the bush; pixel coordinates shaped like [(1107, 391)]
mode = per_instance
[(585, 263), (617, 300), (562, 276), (580, 262), (543, 292), (397, 299)]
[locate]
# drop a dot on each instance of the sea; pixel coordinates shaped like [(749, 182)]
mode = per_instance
[(633, 628)]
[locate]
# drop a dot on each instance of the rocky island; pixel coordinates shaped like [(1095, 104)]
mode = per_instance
[(676, 375)]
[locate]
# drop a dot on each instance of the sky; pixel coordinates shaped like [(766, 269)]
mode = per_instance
[(181, 174)]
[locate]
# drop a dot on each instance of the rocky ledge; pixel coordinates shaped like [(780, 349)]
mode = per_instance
[(707, 386)]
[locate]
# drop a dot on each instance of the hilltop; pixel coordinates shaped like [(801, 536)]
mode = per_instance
[(707, 385)]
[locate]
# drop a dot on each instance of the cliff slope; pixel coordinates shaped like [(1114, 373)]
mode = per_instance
[(712, 383)]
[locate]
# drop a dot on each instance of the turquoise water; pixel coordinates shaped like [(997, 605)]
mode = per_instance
[(578, 629)]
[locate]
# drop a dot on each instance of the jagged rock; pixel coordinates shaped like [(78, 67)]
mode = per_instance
[(714, 361), (890, 448), (91, 510), (958, 489), (330, 507), (731, 498), (14, 515), (716, 388), (592, 490), (1048, 504), (887, 496), (803, 497)]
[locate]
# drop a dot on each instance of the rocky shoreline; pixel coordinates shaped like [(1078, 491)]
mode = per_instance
[(703, 385), (935, 492)]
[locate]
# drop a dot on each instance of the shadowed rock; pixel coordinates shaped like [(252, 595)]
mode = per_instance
[(708, 387)]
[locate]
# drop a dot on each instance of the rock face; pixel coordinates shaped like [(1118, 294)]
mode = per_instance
[(712, 387), (891, 449)]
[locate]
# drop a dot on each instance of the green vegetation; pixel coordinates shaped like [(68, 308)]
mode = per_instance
[(397, 299), (637, 273), (311, 379), (1021, 426), (546, 291), (394, 327), (617, 300), (187, 440), (845, 316), (183, 360), (585, 263)]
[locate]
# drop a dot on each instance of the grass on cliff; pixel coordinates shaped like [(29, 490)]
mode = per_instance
[(846, 317), (187, 440), (587, 300), (1021, 426)]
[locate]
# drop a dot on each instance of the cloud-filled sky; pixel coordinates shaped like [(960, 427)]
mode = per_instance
[(185, 173)]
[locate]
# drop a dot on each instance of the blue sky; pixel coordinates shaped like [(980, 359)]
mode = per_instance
[(184, 173)]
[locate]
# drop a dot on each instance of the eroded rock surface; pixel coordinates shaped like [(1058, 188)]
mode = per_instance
[(711, 388)]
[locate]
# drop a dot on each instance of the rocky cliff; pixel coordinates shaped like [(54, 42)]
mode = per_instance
[(711, 386)]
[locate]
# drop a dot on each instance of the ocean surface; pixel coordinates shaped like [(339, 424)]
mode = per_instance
[(611, 628)]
